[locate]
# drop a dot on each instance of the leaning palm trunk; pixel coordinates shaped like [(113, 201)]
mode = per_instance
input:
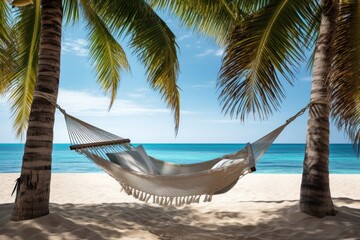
[(32, 196), (315, 198)]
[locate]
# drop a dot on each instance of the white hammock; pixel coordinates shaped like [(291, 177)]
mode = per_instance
[(176, 184)]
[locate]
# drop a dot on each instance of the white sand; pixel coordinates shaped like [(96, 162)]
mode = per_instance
[(91, 206)]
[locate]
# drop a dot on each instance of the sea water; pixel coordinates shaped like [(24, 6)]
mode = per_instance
[(279, 159)]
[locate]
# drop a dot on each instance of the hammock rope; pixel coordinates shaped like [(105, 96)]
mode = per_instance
[(177, 184)]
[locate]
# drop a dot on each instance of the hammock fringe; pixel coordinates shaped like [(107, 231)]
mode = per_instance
[(164, 200)]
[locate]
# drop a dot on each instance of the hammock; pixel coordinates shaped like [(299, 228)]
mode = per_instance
[(174, 184)]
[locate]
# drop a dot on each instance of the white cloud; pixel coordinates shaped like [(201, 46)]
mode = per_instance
[(206, 52), (185, 36), (222, 121), (83, 103), (237, 121), (136, 95), (211, 84), (139, 93), (142, 90), (79, 47), (217, 52)]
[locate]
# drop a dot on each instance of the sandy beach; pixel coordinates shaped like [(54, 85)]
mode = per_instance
[(261, 206)]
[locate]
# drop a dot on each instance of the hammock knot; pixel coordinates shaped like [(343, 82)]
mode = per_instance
[(51, 98), (301, 112), (61, 109)]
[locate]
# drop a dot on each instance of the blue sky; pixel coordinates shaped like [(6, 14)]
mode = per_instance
[(139, 113)]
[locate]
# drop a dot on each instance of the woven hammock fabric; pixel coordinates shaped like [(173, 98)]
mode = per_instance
[(178, 184)]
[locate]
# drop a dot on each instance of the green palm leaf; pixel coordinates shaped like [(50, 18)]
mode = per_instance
[(71, 11), (151, 40), (106, 53), (268, 43), (345, 71), (4, 24), (7, 47), (212, 18), (250, 6), (22, 82)]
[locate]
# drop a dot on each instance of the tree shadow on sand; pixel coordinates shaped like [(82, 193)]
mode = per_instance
[(141, 221)]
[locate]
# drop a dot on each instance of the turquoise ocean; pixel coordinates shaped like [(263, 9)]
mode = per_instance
[(279, 159)]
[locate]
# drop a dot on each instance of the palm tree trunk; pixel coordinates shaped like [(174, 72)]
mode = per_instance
[(32, 196), (315, 197)]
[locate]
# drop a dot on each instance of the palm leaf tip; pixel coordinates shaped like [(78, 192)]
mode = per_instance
[(150, 39), (267, 44), (107, 55), (20, 84)]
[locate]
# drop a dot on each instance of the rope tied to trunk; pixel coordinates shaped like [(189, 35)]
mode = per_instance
[(302, 111), (51, 98)]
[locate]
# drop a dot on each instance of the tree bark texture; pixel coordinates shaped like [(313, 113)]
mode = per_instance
[(33, 192), (315, 197)]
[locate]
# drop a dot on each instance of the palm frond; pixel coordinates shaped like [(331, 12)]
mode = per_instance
[(345, 71), (22, 82), (250, 6), (106, 53), (71, 11), (212, 18), (6, 45), (268, 43), (4, 23), (151, 40)]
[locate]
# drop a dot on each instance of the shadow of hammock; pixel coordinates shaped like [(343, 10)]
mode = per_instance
[(125, 220)]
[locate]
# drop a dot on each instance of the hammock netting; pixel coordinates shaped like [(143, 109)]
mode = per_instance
[(176, 184)]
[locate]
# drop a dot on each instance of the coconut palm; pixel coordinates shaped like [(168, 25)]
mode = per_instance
[(266, 39), (37, 30)]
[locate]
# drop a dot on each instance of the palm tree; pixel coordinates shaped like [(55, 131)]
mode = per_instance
[(266, 39), (37, 50)]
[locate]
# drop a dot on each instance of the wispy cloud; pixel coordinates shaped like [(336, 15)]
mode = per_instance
[(206, 52), (237, 121), (79, 47), (210, 84), (139, 93), (83, 103), (214, 52), (223, 121), (185, 36)]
